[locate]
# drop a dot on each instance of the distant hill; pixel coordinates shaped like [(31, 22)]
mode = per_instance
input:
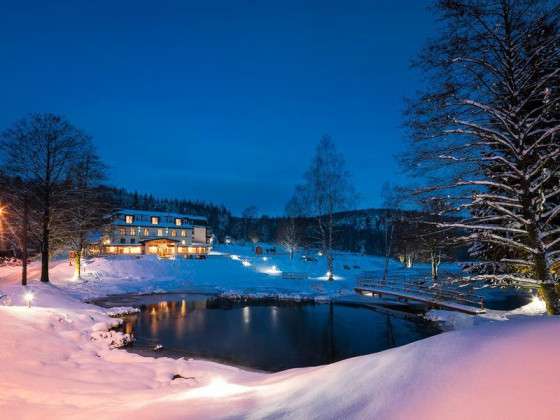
[(360, 230)]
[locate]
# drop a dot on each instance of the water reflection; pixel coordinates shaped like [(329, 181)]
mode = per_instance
[(266, 336)]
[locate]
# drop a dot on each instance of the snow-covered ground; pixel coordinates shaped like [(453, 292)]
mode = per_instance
[(57, 362), (231, 269), (58, 358)]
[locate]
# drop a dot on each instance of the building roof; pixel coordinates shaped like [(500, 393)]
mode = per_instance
[(161, 213)]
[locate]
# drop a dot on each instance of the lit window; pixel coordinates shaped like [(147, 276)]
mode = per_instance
[(173, 233), (129, 219), (122, 231), (146, 232), (183, 233), (133, 231), (177, 222), (155, 220), (160, 232)]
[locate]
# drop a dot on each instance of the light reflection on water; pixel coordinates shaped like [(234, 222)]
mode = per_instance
[(265, 336)]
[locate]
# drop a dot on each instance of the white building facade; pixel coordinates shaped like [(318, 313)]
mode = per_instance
[(151, 232)]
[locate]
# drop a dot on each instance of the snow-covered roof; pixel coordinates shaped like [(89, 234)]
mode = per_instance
[(162, 214)]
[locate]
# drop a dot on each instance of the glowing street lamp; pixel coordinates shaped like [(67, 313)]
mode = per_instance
[(28, 298)]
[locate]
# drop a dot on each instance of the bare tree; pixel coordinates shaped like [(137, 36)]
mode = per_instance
[(288, 235), (388, 220), (89, 207), (485, 132), (249, 224), (326, 189), (15, 220), (40, 150)]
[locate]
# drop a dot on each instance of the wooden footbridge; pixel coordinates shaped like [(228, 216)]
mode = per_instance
[(435, 295)]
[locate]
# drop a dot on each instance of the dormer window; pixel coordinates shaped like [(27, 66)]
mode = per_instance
[(155, 220), (177, 222), (129, 219)]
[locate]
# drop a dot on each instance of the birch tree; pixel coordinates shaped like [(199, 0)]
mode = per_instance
[(485, 132), (288, 235), (326, 189)]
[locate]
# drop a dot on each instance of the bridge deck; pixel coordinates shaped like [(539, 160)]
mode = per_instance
[(421, 297)]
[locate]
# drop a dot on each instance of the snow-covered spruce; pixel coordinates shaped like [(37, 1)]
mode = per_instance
[(486, 131)]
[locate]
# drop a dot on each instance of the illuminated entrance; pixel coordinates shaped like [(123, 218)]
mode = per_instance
[(164, 248)]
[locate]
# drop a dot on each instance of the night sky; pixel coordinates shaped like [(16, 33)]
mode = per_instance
[(219, 101)]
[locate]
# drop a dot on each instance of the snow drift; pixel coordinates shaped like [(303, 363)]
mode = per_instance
[(57, 362)]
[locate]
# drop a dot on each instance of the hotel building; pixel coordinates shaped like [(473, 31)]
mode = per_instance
[(152, 232)]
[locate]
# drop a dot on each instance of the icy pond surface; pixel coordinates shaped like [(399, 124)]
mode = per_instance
[(264, 336)]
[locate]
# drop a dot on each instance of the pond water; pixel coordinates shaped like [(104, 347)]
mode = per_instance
[(264, 336)]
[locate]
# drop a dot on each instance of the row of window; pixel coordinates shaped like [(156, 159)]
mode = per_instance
[(129, 219), (133, 241), (155, 220), (153, 232)]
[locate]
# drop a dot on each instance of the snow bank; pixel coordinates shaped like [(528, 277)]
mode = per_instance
[(449, 320), (58, 361)]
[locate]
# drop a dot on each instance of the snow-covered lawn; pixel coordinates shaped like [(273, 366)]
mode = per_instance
[(58, 360), (232, 269)]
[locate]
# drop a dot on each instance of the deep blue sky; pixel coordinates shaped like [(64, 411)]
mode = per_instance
[(219, 101)]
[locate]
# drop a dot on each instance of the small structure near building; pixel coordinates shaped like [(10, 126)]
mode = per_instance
[(136, 232)]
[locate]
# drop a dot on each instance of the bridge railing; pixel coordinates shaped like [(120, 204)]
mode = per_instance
[(423, 287)]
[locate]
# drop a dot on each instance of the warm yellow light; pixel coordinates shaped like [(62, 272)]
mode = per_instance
[(217, 388), (28, 298)]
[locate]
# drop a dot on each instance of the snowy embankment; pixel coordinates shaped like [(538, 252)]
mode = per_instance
[(58, 362)]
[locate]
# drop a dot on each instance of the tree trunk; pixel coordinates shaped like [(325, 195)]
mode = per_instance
[(409, 261), (45, 240), (388, 240), (549, 295), (46, 219), (330, 265), (78, 265), (45, 254), (436, 259), (24, 242), (547, 290)]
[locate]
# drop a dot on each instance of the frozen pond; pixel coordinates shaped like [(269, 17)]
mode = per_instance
[(265, 336)]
